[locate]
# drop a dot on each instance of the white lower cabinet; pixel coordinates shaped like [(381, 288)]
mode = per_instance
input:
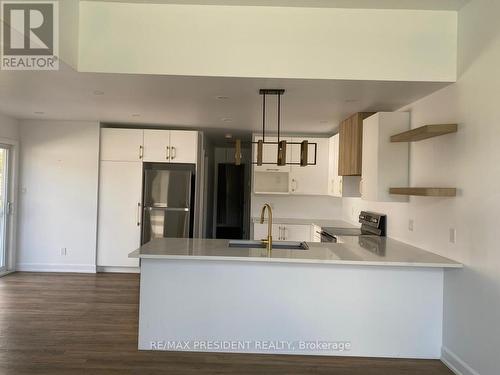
[(119, 228), (283, 232), (260, 231), (295, 232), (316, 233)]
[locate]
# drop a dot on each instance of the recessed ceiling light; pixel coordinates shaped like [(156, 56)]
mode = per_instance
[(98, 92), (227, 119), (228, 136), (222, 97), (39, 113)]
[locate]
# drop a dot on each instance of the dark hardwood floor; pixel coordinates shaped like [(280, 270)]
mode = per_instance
[(87, 324)]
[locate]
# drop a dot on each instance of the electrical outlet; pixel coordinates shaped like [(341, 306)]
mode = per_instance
[(453, 235), (64, 251), (411, 223)]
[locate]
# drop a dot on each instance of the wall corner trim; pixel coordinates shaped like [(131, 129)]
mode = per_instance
[(455, 363)]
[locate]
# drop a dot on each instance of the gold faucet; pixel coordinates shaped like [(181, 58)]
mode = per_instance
[(269, 240)]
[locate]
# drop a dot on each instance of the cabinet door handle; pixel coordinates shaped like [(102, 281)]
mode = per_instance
[(294, 185), (283, 237), (174, 153), (272, 169), (167, 152), (141, 152), (138, 214)]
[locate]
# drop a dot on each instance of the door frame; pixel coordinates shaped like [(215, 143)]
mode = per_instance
[(11, 222)]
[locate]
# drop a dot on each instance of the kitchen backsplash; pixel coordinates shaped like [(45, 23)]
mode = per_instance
[(296, 206)]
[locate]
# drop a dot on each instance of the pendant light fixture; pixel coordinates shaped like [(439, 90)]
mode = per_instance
[(281, 159)]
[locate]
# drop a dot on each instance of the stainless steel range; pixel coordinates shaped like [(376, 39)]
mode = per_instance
[(372, 224), (370, 235)]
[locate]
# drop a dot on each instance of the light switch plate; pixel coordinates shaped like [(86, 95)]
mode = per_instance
[(411, 223), (453, 235)]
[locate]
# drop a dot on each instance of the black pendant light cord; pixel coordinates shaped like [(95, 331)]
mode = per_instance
[(264, 117), (279, 116)]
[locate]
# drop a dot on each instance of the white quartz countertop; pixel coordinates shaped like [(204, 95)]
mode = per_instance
[(362, 251), (300, 221)]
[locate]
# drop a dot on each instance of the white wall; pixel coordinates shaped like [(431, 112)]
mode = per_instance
[(275, 42), (469, 160), (68, 31), (58, 195), (298, 206), (9, 127)]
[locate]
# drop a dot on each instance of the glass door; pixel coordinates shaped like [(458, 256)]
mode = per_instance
[(5, 205)]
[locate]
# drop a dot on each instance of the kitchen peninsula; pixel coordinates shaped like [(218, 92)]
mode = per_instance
[(380, 300)]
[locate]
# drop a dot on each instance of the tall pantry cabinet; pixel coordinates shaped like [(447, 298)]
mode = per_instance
[(122, 154)]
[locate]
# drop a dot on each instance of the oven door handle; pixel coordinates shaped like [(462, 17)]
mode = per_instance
[(327, 235)]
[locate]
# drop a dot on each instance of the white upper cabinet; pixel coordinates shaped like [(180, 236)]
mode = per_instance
[(183, 146), (312, 179), (270, 155), (170, 146), (121, 144), (340, 186), (385, 164), (156, 145), (292, 179)]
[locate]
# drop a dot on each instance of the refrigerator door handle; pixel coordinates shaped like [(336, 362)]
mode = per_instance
[(178, 209), (139, 214)]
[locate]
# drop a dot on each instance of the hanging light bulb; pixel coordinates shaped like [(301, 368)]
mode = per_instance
[(304, 154), (237, 155)]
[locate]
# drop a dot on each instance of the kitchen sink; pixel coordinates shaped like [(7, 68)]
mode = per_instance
[(278, 245)]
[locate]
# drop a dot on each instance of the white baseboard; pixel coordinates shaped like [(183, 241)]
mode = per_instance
[(46, 267), (455, 363), (118, 269)]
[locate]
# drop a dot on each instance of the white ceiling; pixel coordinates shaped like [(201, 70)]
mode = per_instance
[(309, 106), (363, 4)]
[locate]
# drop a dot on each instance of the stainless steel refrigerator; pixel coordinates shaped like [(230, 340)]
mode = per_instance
[(168, 201)]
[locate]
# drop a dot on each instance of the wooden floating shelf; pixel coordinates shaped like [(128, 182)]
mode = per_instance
[(425, 192), (424, 132)]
